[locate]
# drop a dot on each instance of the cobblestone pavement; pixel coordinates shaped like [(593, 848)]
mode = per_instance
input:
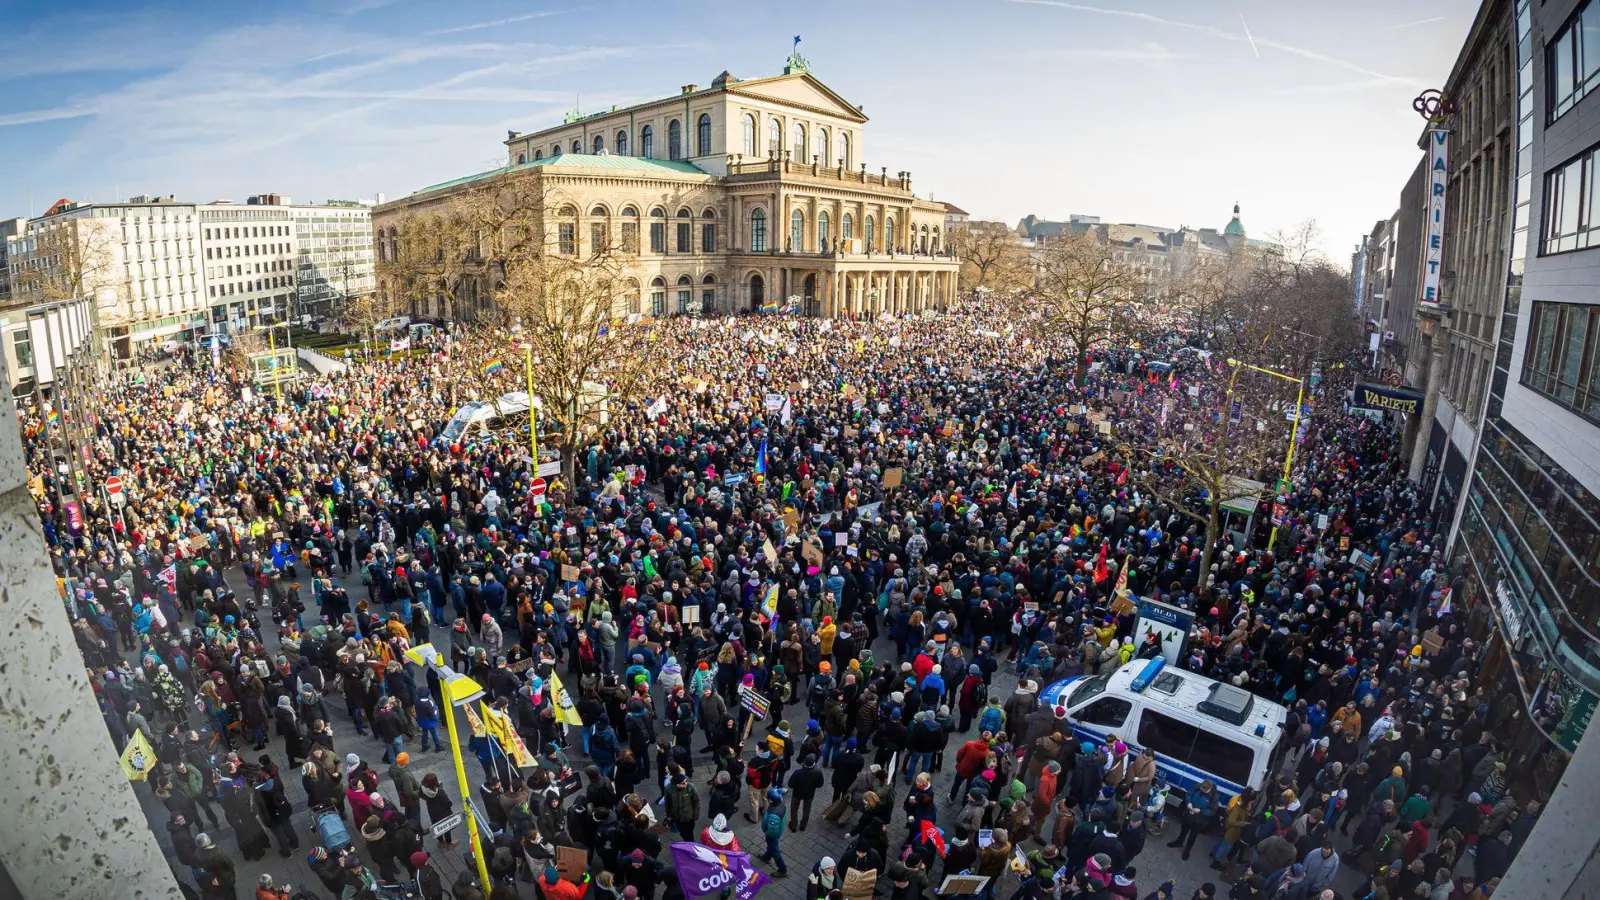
[(801, 850)]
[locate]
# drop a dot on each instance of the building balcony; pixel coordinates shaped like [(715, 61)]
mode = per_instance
[(740, 169)]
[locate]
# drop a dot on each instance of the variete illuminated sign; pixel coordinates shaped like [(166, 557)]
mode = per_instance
[(1378, 397)]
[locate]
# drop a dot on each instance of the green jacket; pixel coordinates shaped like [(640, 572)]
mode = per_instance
[(1415, 809)]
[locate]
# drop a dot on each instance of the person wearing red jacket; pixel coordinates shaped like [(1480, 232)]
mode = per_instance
[(970, 760), (554, 888), (718, 836)]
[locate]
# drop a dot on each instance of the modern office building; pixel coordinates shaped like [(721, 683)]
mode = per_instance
[(334, 258), (1526, 553), (250, 260), (140, 260)]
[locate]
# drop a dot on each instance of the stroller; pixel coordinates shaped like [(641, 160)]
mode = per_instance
[(330, 828)]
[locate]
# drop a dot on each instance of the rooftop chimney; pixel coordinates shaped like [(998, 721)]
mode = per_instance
[(690, 88)]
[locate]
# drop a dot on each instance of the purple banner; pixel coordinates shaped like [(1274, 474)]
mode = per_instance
[(703, 870)]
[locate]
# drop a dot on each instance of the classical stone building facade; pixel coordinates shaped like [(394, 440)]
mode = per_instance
[(738, 197)]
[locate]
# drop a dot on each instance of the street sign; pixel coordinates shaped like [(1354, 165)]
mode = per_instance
[(445, 824), (548, 469), (113, 485), (537, 488), (733, 478)]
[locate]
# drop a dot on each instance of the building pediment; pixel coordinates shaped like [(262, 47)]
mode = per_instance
[(800, 90)]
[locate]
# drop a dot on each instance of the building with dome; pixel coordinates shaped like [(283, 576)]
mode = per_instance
[(743, 195), (1159, 254)]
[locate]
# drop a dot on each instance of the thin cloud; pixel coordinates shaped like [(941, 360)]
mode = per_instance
[(1345, 87), (1247, 36), (1221, 34), (33, 117), (498, 22), (1416, 23), (1151, 52)]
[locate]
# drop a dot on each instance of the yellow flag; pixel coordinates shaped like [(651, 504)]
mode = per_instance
[(562, 702), (499, 725), (473, 722), (138, 758)]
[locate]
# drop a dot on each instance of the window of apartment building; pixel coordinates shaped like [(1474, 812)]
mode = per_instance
[(758, 232), (22, 348), (1561, 360), (658, 231), (685, 229), (1571, 217), (567, 239), (1572, 60)]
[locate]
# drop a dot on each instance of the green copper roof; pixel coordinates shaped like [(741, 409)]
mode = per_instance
[(579, 161), (1235, 227)]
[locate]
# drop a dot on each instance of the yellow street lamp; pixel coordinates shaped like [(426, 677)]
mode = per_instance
[(1294, 433)]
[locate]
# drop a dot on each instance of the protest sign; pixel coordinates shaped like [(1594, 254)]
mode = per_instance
[(858, 885), (892, 477), (569, 573), (751, 700)]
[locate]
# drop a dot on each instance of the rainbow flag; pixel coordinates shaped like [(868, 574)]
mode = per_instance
[(52, 417), (492, 366)]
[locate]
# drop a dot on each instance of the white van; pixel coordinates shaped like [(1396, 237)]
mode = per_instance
[(1199, 728), (477, 419)]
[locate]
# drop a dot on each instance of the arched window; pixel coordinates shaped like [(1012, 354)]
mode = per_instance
[(936, 239), (888, 234), (848, 229), (822, 144), (538, 154), (685, 293), (870, 234), (577, 146), (629, 211), (749, 135), (797, 231), (708, 295), (647, 142), (774, 138), (708, 231), (556, 150), (844, 149), (758, 232), (599, 143), (823, 237), (798, 146), (702, 135), (658, 296), (674, 140), (658, 230), (685, 232), (758, 292), (619, 144), (598, 211), (522, 158)]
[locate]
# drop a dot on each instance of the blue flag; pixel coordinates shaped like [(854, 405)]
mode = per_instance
[(761, 459)]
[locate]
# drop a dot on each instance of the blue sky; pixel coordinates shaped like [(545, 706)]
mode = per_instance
[(1151, 111)]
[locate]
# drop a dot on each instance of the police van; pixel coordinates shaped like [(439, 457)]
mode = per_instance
[(1198, 727)]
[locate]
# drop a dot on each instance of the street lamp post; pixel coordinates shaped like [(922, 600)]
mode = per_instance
[(1294, 432), (459, 690)]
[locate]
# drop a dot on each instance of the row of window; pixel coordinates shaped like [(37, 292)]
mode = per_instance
[(245, 250), (1562, 361), (1573, 60), (247, 231), (800, 150), (647, 142), (261, 284)]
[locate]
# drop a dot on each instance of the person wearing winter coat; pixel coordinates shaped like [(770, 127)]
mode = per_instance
[(1321, 865), (825, 878)]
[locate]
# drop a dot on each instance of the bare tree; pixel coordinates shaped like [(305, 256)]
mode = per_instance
[(563, 313), (1200, 465), (1081, 291), (991, 257)]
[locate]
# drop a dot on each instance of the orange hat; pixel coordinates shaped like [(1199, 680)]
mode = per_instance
[(825, 666), (402, 759)]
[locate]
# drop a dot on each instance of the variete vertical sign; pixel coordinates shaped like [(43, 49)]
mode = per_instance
[(1438, 176)]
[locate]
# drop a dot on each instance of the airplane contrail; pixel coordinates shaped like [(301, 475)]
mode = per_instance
[(1247, 36)]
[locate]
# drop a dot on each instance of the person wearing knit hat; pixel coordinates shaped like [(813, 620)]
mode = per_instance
[(718, 836)]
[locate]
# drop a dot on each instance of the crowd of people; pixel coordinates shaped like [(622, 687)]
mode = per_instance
[(929, 512)]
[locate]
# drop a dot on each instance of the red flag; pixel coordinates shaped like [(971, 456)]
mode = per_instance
[(930, 833), (1101, 573)]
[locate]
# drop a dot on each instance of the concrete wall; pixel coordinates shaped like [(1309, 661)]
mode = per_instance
[(76, 829)]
